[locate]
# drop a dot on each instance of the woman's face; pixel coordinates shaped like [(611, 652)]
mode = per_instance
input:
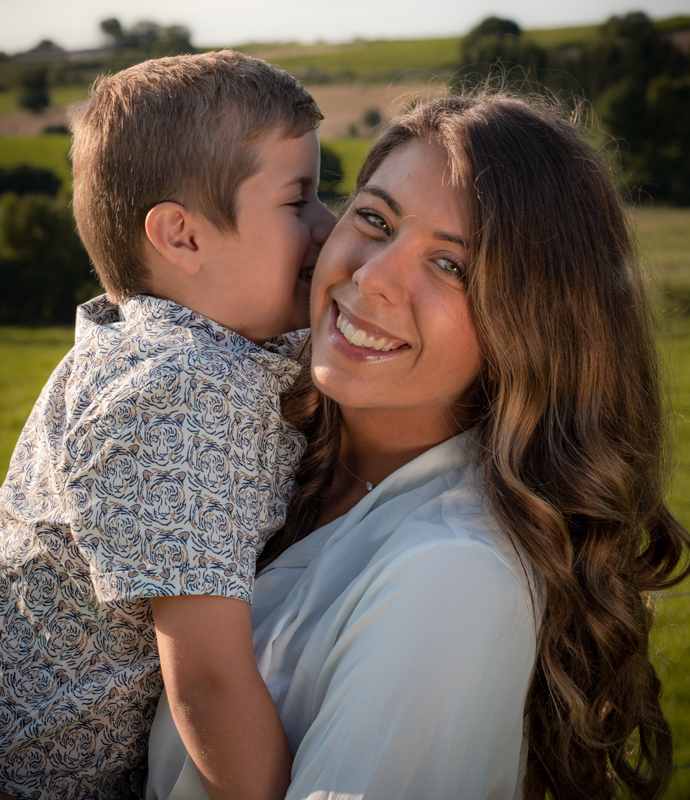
[(391, 326)]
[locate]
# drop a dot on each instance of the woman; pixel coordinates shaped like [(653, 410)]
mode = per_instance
[(479, 517)]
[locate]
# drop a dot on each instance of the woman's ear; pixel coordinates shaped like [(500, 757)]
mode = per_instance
[(170, 228)]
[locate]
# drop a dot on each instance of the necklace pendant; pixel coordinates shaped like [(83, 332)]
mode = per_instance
[(369, 485)]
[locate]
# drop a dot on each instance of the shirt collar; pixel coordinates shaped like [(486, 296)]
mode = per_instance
[(278, 356), (453, 454)]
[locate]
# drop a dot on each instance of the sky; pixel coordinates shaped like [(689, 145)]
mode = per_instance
[(73, 24)]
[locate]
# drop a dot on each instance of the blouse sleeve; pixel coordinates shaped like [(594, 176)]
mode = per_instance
[(423, 694)]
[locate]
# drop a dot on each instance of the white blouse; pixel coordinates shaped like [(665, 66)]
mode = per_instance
[(398, 643)]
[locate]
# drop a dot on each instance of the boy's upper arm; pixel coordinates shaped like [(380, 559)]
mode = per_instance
[(202, 638), (164, 491)]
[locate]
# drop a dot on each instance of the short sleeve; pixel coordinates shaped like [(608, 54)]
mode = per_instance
[(423, 693), (165, 490)]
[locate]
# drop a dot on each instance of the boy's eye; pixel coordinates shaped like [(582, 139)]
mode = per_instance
[(375, 220), (299, 203)]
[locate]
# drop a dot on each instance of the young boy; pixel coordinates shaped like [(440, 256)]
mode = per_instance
[(156, 463)]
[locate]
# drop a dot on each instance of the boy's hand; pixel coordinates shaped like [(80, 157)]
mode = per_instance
[(220, 704)]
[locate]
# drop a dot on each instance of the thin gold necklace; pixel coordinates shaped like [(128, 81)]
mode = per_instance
[(368, 484)]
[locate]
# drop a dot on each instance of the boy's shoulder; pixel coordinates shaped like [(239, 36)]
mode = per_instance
[(150, 376), (154, 349)]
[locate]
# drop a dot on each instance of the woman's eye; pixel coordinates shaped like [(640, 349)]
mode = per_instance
[(375, 220), (453, 267)]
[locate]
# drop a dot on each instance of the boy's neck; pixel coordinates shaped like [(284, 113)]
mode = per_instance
[(177, 286)]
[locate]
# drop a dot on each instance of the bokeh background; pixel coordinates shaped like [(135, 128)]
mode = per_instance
[(627, 67)]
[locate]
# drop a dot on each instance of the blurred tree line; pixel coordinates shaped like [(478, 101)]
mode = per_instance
[(44, 268), (48, 65), (634, 75)]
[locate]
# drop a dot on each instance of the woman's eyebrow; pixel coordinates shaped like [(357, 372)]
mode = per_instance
[(451, 237), (377, 191)]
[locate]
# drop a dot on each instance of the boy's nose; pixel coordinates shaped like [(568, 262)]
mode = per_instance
[(323, 223)]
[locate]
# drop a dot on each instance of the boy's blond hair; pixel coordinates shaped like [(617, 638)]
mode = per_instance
[(182, 129)]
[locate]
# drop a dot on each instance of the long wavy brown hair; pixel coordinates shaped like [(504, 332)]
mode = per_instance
[(572, 428)]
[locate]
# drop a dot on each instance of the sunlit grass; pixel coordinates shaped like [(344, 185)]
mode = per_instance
[(49, 151)]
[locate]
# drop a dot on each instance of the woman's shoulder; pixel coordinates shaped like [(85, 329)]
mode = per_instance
[(457, 526), (458, 565)]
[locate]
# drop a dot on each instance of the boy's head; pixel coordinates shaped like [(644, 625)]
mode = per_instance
[(188, 130)]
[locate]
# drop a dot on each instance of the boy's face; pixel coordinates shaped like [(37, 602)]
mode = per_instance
[(260, 274)]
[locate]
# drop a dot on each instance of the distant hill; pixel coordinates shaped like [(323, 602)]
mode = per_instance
[(406, 59)]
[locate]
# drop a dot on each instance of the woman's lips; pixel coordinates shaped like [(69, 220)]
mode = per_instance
[(361, 340)]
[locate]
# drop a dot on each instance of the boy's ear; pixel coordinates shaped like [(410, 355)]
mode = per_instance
[(170, 228)]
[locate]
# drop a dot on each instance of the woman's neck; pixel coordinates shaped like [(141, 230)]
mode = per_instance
[(376, 443)]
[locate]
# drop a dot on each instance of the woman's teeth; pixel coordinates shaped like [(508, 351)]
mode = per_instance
[(360, 338)]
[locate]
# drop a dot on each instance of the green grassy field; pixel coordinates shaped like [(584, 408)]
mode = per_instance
[(672, 629), (372, 61), (60, 96), (664, 236), (49, 151), (27, 357)]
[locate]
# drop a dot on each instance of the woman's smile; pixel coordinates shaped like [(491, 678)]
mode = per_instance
[(362, 335)]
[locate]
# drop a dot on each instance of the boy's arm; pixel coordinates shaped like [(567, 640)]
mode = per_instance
[(220, 704)]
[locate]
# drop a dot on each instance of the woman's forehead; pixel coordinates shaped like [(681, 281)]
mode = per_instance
[(416, 178)]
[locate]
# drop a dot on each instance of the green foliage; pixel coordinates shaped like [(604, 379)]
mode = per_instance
[(371, 118), (46, 151), (44, 267), (630, 48), (33, 89), (493, 26), (641, 84), (25, 179), (56, 130), (666, 148), (150, 37), (112, 28), (174, 40), (351, 153), (331, 173), (637, 79), (498, 41)]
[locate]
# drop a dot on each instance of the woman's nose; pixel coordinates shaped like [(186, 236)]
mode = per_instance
[(384, 274)]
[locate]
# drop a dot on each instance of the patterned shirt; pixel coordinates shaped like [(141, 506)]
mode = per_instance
[(155, 463)]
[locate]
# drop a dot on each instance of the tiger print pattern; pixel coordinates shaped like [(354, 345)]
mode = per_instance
[(155, 463)]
